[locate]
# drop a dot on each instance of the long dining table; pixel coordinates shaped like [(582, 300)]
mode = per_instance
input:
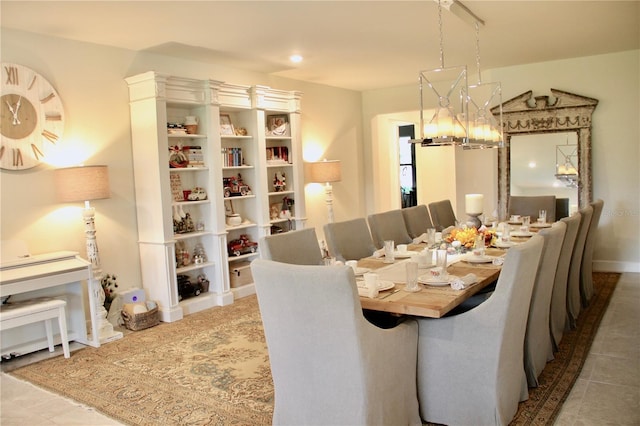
[(430, 301)]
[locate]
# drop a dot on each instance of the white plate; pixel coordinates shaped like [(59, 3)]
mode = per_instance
[(521, 234), (478, 259), (540, 225), (404, 255), (382, 285), (362, 271), (504, 245), (435, 282)]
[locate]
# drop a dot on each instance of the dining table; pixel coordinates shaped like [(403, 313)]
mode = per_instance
[(430, 301)]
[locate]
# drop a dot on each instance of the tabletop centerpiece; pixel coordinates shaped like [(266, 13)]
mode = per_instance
[(461, 240)]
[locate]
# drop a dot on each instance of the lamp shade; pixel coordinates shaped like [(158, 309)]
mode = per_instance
[(324, 171), (84, 183)]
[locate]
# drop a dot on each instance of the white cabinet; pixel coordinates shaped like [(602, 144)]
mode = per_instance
[(226, 160)]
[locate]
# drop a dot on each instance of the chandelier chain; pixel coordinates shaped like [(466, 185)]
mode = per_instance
[(478, 51), (441, 36)]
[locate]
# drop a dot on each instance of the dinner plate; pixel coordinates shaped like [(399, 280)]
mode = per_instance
[(503, 244), (540, 225), (404, 255), (362, 271), (435, 282), (479, 259), (382, 285), (521, 234)]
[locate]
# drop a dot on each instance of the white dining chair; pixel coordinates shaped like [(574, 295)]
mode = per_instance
[(531, 206), (558, 311), (574, 303), (330, 366), (349, 240), (388, 225), (538, 349), (300, 247), (417, 220), (586, 272), (470, 366)]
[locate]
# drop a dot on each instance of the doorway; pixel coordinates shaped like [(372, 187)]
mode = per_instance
[(407, 170)]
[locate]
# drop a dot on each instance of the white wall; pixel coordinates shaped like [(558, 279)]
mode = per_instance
[(613, 80), (90, 80)]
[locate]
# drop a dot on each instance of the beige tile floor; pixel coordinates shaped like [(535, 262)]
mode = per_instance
[(607, 392)]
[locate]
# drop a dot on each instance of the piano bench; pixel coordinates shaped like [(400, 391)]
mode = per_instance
[(35, 310)]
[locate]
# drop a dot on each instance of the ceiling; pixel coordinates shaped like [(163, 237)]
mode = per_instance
[(356, 45)]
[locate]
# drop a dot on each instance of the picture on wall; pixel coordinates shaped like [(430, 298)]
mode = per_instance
[(278, 125), (226, 127)]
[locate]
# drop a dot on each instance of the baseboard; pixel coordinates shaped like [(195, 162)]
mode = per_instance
[(615, 266)]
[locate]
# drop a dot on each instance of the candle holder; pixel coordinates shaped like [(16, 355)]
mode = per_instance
[(474, 221)]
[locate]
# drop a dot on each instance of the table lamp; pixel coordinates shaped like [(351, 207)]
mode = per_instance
[(87, 183), (325, 171), (473, 207)]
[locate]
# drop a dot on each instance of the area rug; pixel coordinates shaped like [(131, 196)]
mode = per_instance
[(212, 368)]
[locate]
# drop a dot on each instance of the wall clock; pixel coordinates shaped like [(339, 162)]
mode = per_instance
[(32, 117)]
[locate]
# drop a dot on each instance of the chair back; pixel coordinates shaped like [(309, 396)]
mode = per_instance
[(442, 214), (562, 208), (388, 226), (538, 348), (417, 220), (477, 356), (531, 206), (326, 359), (575, 266), (558, 312), (349, 240), (299, 247), (586, 273)]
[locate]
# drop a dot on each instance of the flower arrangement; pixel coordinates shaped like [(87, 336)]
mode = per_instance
[(467, 236), (109, 285)]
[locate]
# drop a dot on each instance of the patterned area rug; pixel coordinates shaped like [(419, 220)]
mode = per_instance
[(212, 368)]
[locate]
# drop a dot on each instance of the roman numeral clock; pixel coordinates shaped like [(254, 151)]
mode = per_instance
[(32, 117)]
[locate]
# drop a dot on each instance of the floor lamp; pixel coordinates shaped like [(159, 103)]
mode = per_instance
[(326, 171), (74, 184)]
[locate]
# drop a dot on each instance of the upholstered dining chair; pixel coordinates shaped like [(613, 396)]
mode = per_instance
[(575, 266), (330, 366), (299, 247), (442, 214), (470, 366), (586, 272), (531, 206), (558, 311), (349, 240), (562, 208), (538, 349), (417, 220), (388, 225)]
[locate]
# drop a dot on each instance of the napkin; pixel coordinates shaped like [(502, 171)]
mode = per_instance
[(448, 230), (378, 253), (371, 293), (498, 261), (460, 283), (420, 239)]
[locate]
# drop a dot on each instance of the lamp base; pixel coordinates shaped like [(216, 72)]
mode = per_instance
[(474, 221)]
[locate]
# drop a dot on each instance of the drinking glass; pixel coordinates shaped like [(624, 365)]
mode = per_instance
[(440, 270), (478, 247), (389, 247), (506, 231), (371, 283), (542, 216), (526, 221), (431, 236), (412, 276), (425, 258)]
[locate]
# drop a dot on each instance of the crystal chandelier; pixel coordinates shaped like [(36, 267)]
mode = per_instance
[(462, 116), (566, 171)]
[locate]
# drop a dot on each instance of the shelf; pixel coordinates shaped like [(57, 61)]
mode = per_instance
[(186, 136), (187, 169), (236, 137), (281, 193), (241, 226), (193, 267), (243, 257), (276, 138), (274, 221), (274, 165), (189, 235), (240, 197), (191, 203), (238, 167)]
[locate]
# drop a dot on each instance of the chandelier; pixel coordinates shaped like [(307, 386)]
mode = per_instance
[(566, 171), (463, 114)]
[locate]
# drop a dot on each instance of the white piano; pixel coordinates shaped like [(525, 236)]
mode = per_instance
[(60, 274)]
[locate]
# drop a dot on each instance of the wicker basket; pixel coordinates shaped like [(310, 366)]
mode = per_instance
[(142, 320)]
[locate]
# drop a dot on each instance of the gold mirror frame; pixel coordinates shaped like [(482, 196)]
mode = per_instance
[(566, 112)]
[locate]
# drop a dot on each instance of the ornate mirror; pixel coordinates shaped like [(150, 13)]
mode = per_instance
[(566, 113)]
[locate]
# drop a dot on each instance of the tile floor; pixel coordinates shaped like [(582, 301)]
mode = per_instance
[(607, 392)]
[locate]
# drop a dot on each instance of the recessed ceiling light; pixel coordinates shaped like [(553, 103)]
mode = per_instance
[(532, 164), (296, 58)]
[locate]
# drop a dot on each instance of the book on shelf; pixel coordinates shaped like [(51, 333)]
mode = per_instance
[(194, 155), (277, 154), (232, 157)]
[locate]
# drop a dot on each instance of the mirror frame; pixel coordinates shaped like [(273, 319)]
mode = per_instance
[(566, 112)]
